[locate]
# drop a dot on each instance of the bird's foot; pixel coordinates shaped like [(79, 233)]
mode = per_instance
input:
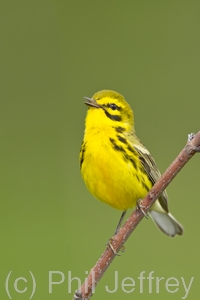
[(140, 207)]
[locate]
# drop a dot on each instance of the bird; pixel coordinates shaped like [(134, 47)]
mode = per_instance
[(115, 165)]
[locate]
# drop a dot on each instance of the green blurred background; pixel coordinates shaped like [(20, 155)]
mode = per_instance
[(53, 53)]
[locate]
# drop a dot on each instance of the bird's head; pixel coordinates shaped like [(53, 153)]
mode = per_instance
[(108, 108)]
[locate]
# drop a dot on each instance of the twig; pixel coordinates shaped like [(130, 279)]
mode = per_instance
[(88, 287)]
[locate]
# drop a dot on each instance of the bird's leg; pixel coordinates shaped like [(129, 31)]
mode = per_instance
[(116, 231), (120, 222)]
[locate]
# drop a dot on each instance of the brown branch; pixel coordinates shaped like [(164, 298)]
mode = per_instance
[(87, 289)]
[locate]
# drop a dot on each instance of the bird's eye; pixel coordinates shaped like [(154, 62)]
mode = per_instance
[(113, 106)]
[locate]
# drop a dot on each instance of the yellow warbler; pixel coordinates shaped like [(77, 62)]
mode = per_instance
[(115, 165)]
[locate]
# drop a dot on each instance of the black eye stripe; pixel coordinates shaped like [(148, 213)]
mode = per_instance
[(113, 106)]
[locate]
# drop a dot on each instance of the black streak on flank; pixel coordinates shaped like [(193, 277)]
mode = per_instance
[(116, 147), (126, 156), (121, 139), (137, 177), (113, 117), (131, 149), (119, 129), (82, 154), (133, 163), (145, 186)]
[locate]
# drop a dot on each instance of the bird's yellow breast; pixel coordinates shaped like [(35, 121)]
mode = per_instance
[(111, 173)]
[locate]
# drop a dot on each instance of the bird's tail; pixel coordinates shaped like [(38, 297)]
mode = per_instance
[(166, 222)]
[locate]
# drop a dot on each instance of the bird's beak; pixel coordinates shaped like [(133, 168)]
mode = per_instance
[(91, 102)]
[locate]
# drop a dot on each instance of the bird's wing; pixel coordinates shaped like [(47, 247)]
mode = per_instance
[(151, 170)]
